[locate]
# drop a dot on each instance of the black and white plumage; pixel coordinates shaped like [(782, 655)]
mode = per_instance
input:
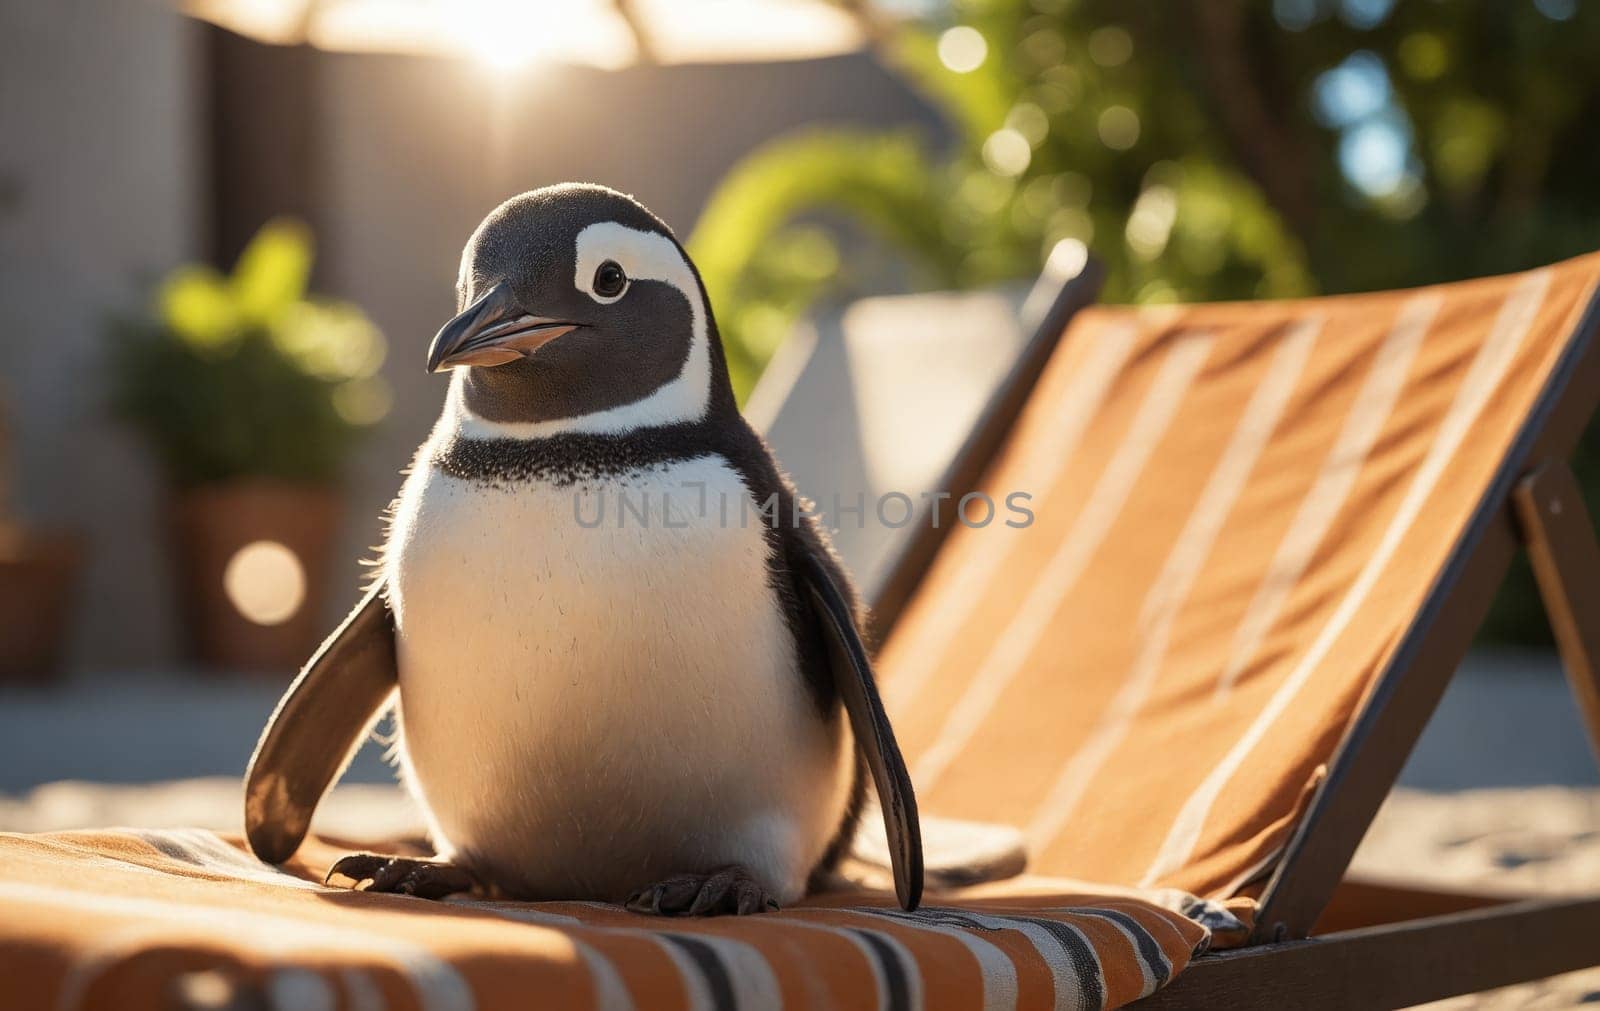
[(628, 663)]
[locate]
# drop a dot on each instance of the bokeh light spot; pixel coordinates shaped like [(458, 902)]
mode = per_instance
[(1110, 46), (1059, 89), (1352, 91), (1045, 48), (1424, 56), (1007, 152), (962, 49), (1374, 156), (1365, 15), (265, 582), (1067, 258), (1150, 224), (1030, 121), (1119, 127)]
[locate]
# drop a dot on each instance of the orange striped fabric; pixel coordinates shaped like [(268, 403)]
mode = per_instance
[(1237, 510), (143, 920)]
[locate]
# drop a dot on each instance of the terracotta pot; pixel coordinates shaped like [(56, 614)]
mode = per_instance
[(38, 584), (253, 561)]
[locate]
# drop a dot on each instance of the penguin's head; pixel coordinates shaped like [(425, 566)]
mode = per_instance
[(580, 311)]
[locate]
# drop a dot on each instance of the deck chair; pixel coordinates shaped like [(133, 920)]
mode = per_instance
[(134, 919), (1253, 543), (1263, 538)]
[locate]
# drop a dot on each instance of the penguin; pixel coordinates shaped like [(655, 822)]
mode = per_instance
[(625, 661)]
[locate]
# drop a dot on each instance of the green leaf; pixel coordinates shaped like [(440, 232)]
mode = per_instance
[(272, 272), (195, 303)]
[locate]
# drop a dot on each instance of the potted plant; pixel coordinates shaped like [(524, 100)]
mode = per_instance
[(38, 581), (252, 394)]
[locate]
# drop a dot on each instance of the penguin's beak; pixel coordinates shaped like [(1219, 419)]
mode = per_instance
[(492, 331)]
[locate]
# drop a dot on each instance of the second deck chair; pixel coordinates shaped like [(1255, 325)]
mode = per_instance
[(1262, 537)]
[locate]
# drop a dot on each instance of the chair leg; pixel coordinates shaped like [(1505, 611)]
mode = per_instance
[(1395, 965), (1560, 539)]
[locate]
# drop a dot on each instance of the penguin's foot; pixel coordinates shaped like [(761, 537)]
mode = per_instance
[(426, 879), (728, 890)]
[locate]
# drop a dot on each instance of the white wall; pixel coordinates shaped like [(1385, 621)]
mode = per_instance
[(99, 190)]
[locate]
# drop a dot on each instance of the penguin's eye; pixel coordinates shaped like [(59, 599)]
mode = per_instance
[(609, 279)]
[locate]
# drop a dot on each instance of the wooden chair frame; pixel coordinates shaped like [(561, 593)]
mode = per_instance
[(1381, 946)]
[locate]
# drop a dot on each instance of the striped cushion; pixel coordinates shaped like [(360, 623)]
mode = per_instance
[(126, 920), (1237, 509)]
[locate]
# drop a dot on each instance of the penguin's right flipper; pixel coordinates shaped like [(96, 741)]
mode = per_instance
[(320, 721)]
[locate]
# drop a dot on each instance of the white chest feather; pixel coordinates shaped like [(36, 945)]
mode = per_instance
[(590, 706)]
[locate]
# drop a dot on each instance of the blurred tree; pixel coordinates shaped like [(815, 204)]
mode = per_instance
[(1208, 150)]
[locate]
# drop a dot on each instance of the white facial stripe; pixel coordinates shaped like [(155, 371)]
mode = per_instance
[(644, 256)]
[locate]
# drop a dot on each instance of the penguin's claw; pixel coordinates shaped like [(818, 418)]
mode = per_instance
[(425, 879), (727, 891)]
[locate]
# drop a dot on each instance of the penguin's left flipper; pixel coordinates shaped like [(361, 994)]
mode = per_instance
[(320, 721), (852, 675)]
